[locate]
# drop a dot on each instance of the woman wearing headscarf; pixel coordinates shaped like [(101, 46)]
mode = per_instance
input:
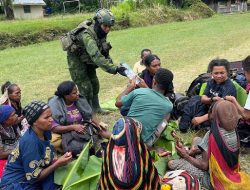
[(8, 137), (126, 162), (31, 164), (219, 151), (224, 149)]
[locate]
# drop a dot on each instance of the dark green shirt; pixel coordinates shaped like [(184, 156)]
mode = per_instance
[(93, 53)]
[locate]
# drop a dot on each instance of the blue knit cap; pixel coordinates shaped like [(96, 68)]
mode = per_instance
[(5, 112)]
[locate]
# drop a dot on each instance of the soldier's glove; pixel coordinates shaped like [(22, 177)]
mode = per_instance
[(121, 70)]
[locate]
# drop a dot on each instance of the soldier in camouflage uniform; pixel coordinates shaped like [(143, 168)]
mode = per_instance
[(93, 52)]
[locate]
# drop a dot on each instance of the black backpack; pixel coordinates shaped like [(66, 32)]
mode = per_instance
[(178, 105), (237, 73), (195, 86)]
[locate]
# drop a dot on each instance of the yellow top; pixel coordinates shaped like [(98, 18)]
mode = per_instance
[(138, 67)]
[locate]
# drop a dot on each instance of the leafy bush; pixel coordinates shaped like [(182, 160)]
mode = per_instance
[(2, 17), (132, 4), (188, 3), (126, 16), (160, 14), (122, 12), (155, 2), (202, 9)]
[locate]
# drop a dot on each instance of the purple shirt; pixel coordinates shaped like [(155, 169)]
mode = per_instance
[(73, 116)]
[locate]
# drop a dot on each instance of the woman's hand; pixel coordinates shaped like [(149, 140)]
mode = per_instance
[(182, 151), (103, 125), (19, 119), (142, 83), (195, 121), (194, 151), (105, 133), (216, 98), (132, 84), (64, 159), (80, 128), (230, 98), (176, 137)]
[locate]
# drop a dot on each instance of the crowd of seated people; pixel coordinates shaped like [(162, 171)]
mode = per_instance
[(224, 119), (214, 159), (28, 162)]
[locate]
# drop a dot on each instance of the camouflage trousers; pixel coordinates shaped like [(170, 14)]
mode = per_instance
[(84, 75)]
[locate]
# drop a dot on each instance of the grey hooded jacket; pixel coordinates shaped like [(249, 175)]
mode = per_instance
[(59, 110)]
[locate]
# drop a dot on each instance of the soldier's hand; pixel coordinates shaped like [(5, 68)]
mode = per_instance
[(121, 70)]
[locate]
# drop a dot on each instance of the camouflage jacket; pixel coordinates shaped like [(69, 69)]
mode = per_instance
[(95, 51)]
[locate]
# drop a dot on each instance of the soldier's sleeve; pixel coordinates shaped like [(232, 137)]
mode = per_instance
[(96, 56)]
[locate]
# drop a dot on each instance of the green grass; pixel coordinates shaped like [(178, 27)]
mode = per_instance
[(63, 22), (25, 32), (21, 26), (157, 14), (185, 48)]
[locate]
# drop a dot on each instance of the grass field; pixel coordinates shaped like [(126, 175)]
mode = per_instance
[(16, 33), (144, 17), (184, 47), (21, 26)]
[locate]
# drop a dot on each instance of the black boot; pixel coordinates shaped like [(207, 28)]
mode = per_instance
[(96, 106)]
